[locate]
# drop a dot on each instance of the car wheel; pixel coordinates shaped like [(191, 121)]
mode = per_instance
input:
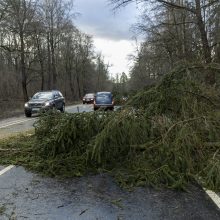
[(63, 108), (28, 114)]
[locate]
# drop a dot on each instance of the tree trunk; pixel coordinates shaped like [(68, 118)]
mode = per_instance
[(49, 62), (42, 76), (54, 73), (204, 38), (40, 58), (71, 83), (23, 69), (69, 74), (78, 84), (210, 76)]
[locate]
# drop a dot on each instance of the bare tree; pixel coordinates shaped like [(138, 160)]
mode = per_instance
[(19, 14), (41, 48), (197, 10)]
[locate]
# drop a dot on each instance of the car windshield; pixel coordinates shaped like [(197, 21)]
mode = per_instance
[(103, 96), (89, 95), (43, 95)]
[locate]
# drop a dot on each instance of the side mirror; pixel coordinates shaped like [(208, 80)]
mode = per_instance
[(29, 98)]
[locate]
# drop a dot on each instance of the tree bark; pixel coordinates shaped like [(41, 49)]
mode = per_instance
[(69, 74), (23, 69), (203, 33), (210, 76), (40, 58), (49, 62), (54, 73)]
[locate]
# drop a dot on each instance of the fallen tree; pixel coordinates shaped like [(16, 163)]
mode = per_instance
[(166, 136)]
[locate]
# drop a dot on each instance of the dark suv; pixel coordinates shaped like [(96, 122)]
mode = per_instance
[(88, 98), (43, 101), (103, 100)]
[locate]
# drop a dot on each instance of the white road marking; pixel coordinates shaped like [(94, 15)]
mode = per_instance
[(214, 197), (6, 169), (25, 120), (16, 122)]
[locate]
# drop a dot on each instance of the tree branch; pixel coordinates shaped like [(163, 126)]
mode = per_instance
[(9, 49), (209, 4), (173, 5)]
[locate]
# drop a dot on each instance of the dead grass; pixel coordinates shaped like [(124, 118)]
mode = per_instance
[(6, 135)]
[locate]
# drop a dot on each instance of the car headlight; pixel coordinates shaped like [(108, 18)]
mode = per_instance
[(47, 103), (26, 104)]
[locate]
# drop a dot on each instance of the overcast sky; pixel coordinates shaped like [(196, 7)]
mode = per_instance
[(110, 30)]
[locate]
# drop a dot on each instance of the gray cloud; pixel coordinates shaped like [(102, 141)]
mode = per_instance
[(98, 19)]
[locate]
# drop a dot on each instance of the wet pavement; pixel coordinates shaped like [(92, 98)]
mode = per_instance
[(16, 125), (24, 195)]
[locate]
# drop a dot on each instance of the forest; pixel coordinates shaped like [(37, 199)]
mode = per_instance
[(175, 31), (42, 49)]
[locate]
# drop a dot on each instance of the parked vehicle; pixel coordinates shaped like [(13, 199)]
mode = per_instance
[(43, 101), (103, 100), (88, 98)]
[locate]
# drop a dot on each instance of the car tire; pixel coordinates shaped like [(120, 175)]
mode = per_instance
[(28, 114), (63, 108)]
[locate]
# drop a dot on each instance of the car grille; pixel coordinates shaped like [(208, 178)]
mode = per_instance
[(36, 105)]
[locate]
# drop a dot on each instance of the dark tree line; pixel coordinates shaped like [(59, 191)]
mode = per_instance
[(42, 49)]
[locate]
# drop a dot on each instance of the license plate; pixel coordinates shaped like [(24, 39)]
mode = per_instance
[(35, 109)]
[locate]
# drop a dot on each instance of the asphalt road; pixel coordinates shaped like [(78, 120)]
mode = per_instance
[(20, 124), (24, 195)]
